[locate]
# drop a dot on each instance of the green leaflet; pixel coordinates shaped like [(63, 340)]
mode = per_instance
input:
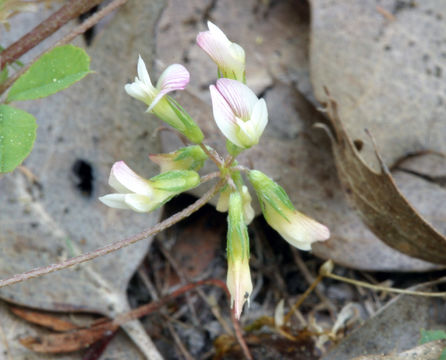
[(53, 72), (17, 135)]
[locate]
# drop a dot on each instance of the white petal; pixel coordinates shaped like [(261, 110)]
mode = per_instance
[(138, 90), (125, 180), (259, 117), (300, 231), (247, 135), (116, 201), (218, 34), (143, 73), (223, 116), (139, 203), (240, 98)]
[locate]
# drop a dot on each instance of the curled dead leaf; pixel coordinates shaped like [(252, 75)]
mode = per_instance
[(380, 203), (43, 319)]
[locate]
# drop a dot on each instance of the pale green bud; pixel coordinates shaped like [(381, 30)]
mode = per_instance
[(296, 228), (239, 276), (187, 158)]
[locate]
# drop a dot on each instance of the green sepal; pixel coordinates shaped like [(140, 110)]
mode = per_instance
[(237, 238), (233, 149), (269, 191), (192, 131), (194, 152), (176, 180)]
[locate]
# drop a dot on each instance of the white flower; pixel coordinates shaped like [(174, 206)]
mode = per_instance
[(239, 114), (175, 77), (229, 56), (142, 195), (296, 228)]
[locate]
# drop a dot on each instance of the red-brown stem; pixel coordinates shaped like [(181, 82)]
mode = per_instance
[(117, 245), (71, 10), (239, 336), (156, 305), (91, 21), (213, 155)]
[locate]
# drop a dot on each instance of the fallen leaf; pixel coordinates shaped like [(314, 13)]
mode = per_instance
[(68, 342), (382, 206), (430, 351), (46, 320), (390, 83), (13, 328), (82, 132), (393, 329), (386, 76)]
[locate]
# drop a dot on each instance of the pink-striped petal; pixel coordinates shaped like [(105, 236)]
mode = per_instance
[(125, 180), (223, 115), (240, 98), (229, 56), (175, 77)]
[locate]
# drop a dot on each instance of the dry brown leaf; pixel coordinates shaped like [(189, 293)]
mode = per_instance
[(68, 342), (51, 322), (382, 206), (13, 328)]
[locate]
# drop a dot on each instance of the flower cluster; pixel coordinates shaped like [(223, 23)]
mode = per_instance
[(241, 117)]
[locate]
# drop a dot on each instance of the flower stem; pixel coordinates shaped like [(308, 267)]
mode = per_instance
[(117, 245), (213, 155), (212, 175)]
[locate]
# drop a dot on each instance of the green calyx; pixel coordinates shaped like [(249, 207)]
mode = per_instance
[(268, 191)]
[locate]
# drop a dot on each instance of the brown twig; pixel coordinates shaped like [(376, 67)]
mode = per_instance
[(117, 245), (50, 25), (91, 21)]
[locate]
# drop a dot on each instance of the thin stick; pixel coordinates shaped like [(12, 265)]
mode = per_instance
[(302, 298), (50, 25), (384, 288), (117, 245), (91, 21)]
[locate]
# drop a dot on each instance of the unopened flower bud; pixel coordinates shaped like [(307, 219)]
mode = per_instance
[(239, 276), (296, 228), (187, 158), (229, 56)]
